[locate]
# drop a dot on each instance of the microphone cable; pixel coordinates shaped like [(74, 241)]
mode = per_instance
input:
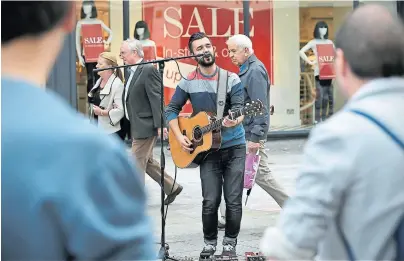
[(196, 69), (163, 114)]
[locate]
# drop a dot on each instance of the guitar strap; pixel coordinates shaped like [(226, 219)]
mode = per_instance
[(221, 92)]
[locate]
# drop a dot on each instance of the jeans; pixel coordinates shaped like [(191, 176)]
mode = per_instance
[(324, 99), (223, 169)]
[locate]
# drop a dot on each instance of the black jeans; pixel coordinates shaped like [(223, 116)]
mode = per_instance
[(91, 77), (324, 99), (125, 128), (223, 169)]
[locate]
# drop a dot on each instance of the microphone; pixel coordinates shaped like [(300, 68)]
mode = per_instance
[(203, 55), (206, 54)]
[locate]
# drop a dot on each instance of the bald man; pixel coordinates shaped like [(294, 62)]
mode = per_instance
[(350, 185)]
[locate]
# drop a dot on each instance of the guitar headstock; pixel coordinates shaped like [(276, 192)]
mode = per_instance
[(253, 108)]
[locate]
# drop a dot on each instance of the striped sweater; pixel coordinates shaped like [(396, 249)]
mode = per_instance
[(201, 90)]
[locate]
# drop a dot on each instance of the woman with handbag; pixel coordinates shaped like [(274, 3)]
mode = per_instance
[(105, 97)]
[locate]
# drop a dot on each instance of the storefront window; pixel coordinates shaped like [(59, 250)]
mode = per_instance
[(303, 52), (278, 29), (99, 29), (282, 33), (167, 26)]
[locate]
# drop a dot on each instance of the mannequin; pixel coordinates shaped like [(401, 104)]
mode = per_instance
[(89, 17), (142, 34), (324, 88)]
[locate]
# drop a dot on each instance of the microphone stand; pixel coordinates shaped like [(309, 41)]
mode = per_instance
[(163, 252)]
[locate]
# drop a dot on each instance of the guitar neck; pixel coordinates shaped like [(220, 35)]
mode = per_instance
[(218, 123)]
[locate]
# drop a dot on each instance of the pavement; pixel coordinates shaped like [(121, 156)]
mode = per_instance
[(183, 223)]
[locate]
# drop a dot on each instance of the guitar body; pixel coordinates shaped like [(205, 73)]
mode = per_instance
[(216, 142), (204, 131), (201, 144)]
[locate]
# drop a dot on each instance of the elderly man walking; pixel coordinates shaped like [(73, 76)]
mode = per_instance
[(256, 82), (141, 102), (349, 195)]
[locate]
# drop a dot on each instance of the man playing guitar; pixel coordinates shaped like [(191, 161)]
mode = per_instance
[(223, 168)]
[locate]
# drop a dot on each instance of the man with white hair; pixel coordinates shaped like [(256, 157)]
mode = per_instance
[(256, 80), (141, 101)]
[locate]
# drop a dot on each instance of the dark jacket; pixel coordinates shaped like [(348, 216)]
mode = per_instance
[(256, 83), (143, 102)]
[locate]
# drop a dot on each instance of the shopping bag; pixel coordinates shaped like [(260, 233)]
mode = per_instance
[(252, 161)]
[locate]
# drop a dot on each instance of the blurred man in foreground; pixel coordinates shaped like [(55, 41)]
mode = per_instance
[(350, 187), (69, 191)]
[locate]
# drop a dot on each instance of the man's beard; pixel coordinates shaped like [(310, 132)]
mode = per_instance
[(204, 63)]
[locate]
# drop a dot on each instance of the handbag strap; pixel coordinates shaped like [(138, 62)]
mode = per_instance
[(221, 92), (399, 142)]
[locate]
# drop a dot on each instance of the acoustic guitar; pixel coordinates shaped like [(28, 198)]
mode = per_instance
[(204, 132)]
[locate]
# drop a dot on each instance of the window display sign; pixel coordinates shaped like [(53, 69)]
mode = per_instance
[(325, 60), (93, 43), (171, 23)]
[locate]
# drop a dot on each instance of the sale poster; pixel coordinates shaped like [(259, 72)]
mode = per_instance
[(325, 60), (93, 43), (171, 23)]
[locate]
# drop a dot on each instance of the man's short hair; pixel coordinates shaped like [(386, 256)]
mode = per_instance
[(30, 18), (373, 45), (242, 41), (194, 37)]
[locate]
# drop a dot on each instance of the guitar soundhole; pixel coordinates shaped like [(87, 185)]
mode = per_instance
[(197, 134)]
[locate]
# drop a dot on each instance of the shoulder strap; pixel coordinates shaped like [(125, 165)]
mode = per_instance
[(221, 92), (382, 126), (398, 236), (348, 249), (399, 233)]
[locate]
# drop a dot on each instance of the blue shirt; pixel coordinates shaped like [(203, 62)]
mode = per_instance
[(68, 189), (243, 66), (201, 90)]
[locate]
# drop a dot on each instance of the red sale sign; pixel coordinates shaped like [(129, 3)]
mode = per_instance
[(325, 61), (171, 23), (93, 43)]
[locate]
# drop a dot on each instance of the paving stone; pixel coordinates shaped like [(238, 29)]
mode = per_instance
[(184, 219)]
